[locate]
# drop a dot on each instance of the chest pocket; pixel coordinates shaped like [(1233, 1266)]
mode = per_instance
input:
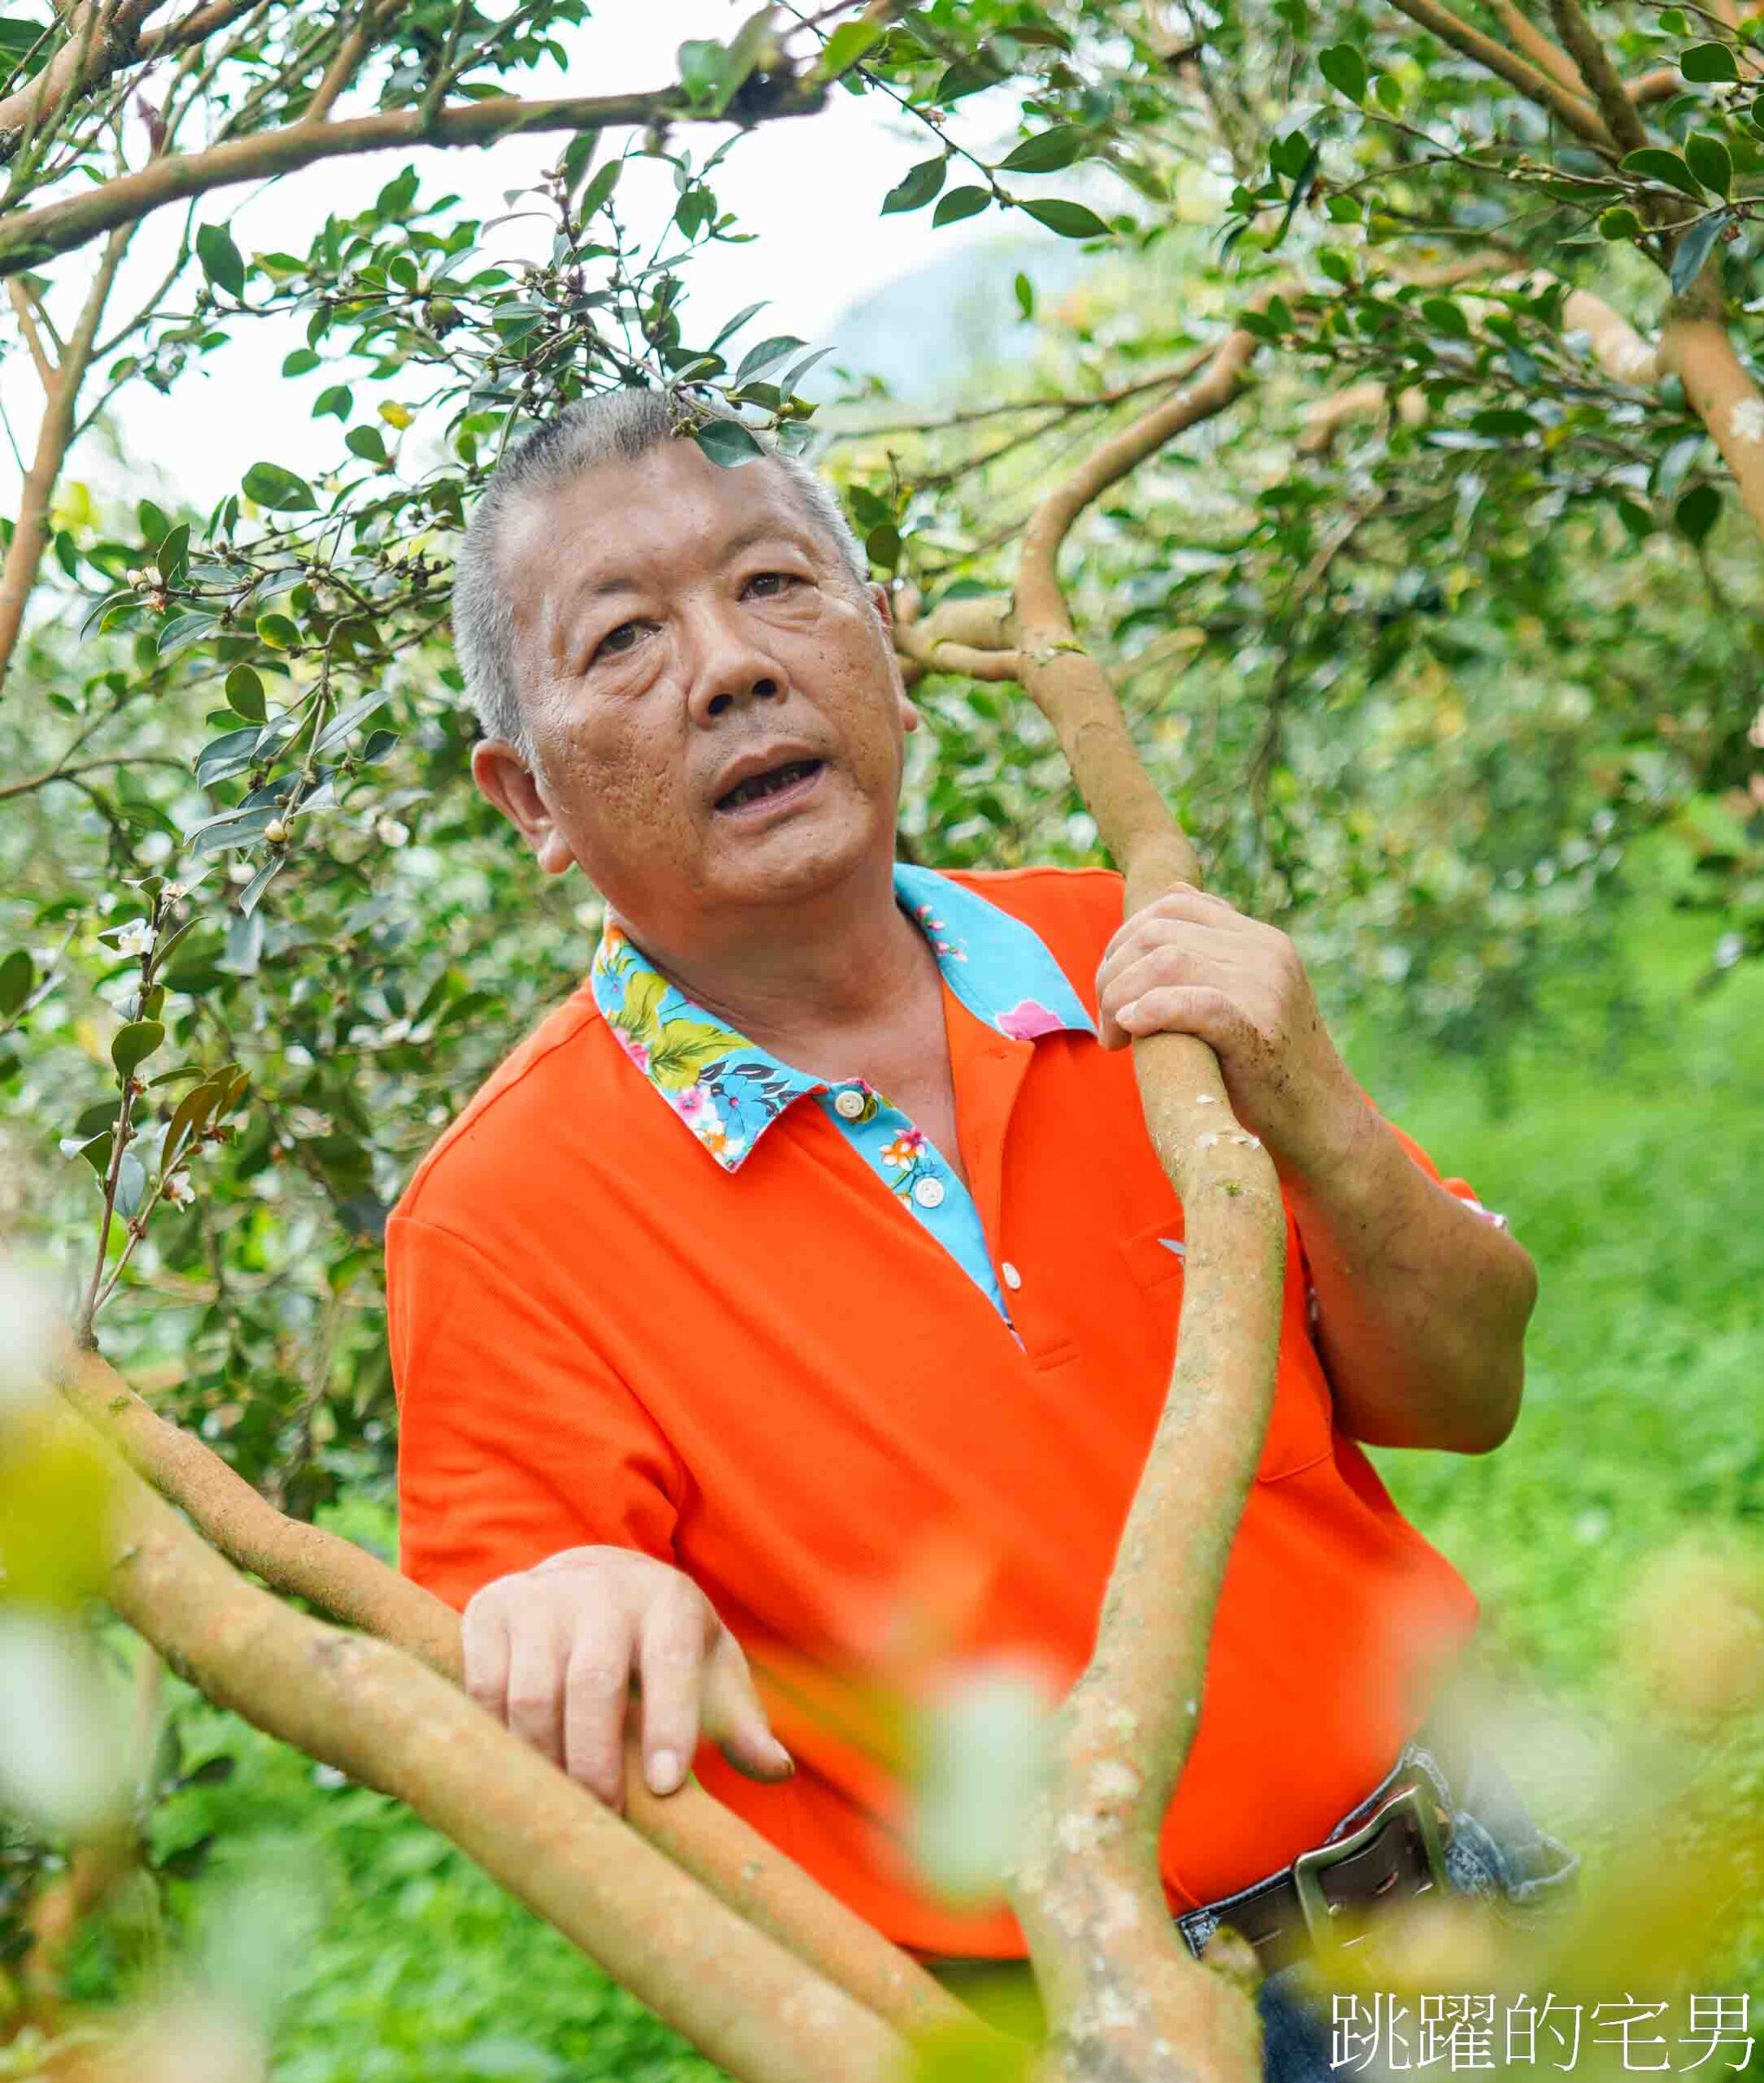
[(1300, 1424)]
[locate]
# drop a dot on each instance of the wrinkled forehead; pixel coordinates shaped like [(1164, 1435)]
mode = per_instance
[(666, 517)]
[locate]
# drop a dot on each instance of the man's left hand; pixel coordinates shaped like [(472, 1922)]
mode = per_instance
[(1189, 963)]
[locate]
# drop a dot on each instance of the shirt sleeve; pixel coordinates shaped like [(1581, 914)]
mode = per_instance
[(516, 1439), (1458, 1189)]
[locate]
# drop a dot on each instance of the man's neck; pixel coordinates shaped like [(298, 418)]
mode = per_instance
[(826, 975)]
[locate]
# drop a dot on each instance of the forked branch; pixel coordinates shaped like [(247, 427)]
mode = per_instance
[(697, 1833)]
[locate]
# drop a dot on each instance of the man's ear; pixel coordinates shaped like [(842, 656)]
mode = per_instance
[(504, 778), (884, 604)]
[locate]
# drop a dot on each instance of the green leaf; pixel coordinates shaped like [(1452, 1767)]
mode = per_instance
[(1620, 223), (245, 694), (1709, 62), (916, 187), (339, 401), (1345, 70), (1445, 316), (726, 443), (599, 191), (172, 555), (180, 630), (1390, 93), (348, 719), (1046, 152), (1698, 512), (366, 442), (1709, 160), (882, 547), (259, 883), (1070, 220), (1694, 247), (229, 754), (1025, 294), (279, 490), (959, 203), (221, 260), (134, 1044), (847, 43), (17, 973), (302, 362), (1652, 162), (758, 359), (278, 632)]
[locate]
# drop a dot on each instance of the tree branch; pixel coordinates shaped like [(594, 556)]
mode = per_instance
[(30, 532), (1534, 84), (1544, 51), (35, 236), (1594, 62), (23, 309), (696, 1832), (378, 1714)]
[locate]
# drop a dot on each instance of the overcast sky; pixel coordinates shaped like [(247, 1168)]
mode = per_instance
[(810, 187)]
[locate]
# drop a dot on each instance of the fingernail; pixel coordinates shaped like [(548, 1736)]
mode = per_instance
[(1127, 1013), (665, 1773), (785, 1762)]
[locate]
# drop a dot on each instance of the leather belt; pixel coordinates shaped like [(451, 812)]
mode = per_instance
[(1324, 1899)]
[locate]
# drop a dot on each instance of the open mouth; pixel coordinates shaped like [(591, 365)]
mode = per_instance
[(793, 774)]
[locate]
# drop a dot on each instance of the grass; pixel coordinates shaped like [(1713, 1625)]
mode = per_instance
[(1630, 1166)]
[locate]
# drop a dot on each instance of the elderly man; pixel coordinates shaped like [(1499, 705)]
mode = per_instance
[(805, 1283)]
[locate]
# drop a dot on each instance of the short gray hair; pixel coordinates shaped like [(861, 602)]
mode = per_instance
[(615, 426)]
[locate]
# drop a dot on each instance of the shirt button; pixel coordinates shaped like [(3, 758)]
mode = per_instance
[(849, 1104), (928, 1192), (1013, 1278)]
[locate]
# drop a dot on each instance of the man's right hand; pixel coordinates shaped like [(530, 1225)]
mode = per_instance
[(556, 1651)]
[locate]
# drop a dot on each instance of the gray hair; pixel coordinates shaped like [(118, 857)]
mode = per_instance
[(615, 426)]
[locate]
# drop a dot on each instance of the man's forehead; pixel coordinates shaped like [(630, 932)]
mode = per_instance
[(674, 505)]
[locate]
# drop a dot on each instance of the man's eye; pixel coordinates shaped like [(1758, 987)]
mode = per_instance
[(769, 584), (618, 639)]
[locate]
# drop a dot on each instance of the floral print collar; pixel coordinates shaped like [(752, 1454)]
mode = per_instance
[(728, 1092)]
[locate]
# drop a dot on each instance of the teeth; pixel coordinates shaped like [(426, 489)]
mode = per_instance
[(766, 784)]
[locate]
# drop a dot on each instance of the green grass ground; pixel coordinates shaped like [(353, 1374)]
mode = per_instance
[(1631, 1166)]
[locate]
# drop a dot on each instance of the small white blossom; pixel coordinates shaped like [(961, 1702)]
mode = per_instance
[(394, 1031), (1728, 949), (1746, 422), (178, 1190), (391, 832), (136, 937)]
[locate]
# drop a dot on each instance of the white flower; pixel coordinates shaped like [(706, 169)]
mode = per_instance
[(394, 1031), (178, 1190), (136, 937), (391, 832)]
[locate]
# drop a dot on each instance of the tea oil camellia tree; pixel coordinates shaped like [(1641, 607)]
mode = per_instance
[(1455, 310)]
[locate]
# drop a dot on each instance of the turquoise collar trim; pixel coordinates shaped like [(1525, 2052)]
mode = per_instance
[(728, 1092)]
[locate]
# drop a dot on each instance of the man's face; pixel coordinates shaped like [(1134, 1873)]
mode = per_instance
[(678, 624)]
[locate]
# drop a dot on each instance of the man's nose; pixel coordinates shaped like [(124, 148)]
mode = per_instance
[(730, 668)]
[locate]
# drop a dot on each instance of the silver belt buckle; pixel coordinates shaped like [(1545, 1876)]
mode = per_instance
[(1414, 1803)]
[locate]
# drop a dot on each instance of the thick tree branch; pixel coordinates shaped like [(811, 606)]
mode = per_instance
[(30, 531), (1509, 65), (1544, 51), (1125, 1999), (697, 1831), (1696, 347), (35, 236), (70, 73), (1593, 61), (380, 1716)]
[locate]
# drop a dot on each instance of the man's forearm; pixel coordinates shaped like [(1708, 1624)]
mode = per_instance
[(1422, 1303)]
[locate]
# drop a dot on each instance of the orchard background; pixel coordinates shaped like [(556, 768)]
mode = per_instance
[(1441, 635)]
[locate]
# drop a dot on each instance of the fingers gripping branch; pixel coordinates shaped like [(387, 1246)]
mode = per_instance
[(1124, 1999), (695, 1832)]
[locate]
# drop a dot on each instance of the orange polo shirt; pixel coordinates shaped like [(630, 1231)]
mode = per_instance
[(613, 1319)]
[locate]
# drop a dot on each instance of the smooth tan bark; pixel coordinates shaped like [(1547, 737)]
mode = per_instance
[(697, 1831), (1125, 2000), (61, 398), (391, 1723)]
